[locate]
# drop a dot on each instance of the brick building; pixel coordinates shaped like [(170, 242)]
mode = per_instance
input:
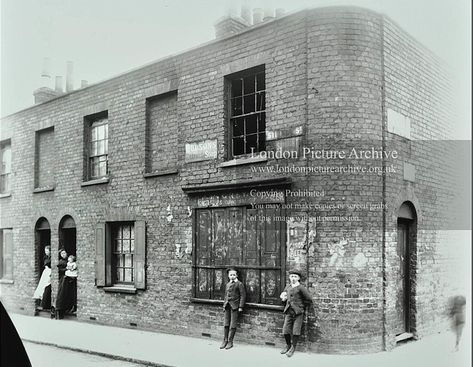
[(292, 142)]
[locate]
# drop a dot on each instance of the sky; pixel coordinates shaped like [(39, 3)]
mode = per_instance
[(105, 38)]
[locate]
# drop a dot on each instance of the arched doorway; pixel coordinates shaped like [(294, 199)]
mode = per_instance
[(42, 235), (406, 270), (67, 241), (67, 235)]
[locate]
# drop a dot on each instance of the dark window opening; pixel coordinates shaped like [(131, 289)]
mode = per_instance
[(248, 111), (250, 239)]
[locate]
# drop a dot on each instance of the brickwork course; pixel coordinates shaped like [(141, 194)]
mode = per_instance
[(333, 76)]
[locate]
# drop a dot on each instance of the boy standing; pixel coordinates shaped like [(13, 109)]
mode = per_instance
[(235, 296), (296, 297)]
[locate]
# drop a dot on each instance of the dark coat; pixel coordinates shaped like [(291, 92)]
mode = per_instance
[(47, 261), (61, 267), (235, 295), (297, 298)]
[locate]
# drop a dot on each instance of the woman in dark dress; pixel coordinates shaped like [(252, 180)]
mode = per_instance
[(62, 297)]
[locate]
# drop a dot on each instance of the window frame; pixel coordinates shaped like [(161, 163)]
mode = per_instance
[(258, 114), (100, 120), (281, 269), (5, 176), (114, 228)]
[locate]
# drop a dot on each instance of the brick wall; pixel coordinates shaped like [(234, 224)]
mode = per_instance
[(417, 85), (324, 79)]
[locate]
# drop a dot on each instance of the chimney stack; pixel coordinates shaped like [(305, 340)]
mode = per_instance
[(58, 86), (230, 23), (257, 15), (43, 94), (69, 80)]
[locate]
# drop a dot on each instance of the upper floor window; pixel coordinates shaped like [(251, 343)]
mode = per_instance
[(97, 152), (247, 111), (5, 169), (45, 158)]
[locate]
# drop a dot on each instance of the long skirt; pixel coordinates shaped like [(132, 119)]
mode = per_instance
[(46, 300), (67, 294), (44, 282)]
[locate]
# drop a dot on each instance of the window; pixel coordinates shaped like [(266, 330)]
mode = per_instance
[(97, 150), (123, 242), (247, 111), (120, 254), (161, 132), (6, 254), (5, 169), (250, 239)]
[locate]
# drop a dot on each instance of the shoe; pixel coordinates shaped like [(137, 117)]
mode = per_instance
[(229, 345), (224, 344), (290, 352), (285, 350)]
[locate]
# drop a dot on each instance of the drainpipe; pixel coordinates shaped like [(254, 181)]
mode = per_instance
[(383, 143)]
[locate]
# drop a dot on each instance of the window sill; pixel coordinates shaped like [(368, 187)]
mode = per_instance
[(242, 161), (98, 181), (43, 189), (5, 195), (6, 281), (120, 289), (249, 305), (167, 172)]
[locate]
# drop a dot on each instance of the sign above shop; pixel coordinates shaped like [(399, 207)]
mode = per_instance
[(201, 151)]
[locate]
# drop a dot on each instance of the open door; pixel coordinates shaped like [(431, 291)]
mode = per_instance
[(42, 240), (67, 241), (405, 271)]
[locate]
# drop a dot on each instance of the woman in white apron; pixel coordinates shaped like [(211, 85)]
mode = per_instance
[(43, 290)]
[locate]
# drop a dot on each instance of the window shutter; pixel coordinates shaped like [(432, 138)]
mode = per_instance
[(8, 254), (1, 253), (139, 267), (100, 254)]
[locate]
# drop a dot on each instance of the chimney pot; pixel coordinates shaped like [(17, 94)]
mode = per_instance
[(257, 15), (46, 71), (58, 85), (69, 80), (268, 13)]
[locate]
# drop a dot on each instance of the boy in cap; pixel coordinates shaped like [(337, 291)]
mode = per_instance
[(235, 296), (296, 297)]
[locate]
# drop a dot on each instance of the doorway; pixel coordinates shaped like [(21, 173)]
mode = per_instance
[(405, 271), (42, 240), (67, 241)]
